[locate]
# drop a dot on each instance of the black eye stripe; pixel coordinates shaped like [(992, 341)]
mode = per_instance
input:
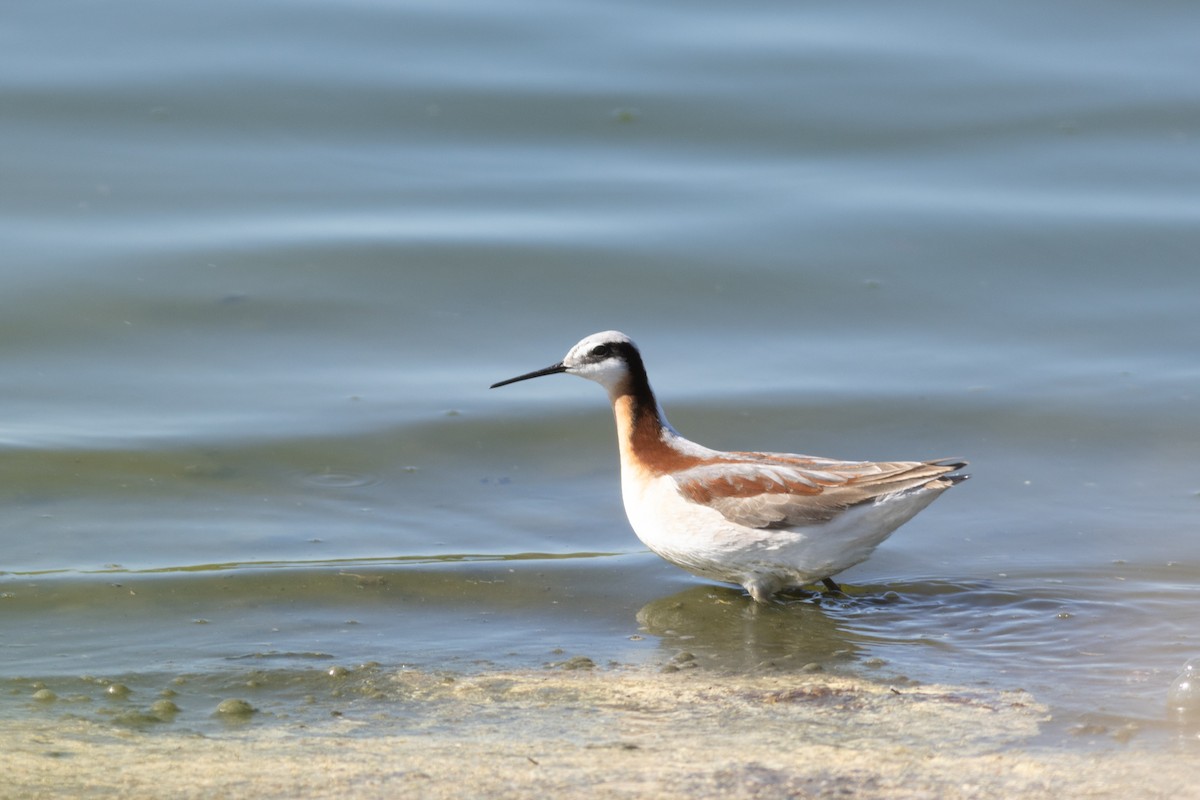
[(600, 351)]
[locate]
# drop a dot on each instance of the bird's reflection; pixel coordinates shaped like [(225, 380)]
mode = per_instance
[(724, 629)]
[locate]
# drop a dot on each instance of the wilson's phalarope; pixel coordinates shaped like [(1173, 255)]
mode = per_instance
[(767, 521)]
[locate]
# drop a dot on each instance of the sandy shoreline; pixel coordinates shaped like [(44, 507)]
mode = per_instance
[(604, 733)]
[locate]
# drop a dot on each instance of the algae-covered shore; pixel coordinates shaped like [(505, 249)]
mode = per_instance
[(600, 732)]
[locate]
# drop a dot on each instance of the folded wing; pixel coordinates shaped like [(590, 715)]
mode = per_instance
[(776, 490)]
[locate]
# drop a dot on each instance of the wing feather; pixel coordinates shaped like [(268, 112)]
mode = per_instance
[(778, 490)]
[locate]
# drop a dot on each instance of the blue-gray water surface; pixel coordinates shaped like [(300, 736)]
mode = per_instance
[(261, 262)]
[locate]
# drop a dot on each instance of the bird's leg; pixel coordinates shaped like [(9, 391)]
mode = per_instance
[(831, 585), (760, 593)]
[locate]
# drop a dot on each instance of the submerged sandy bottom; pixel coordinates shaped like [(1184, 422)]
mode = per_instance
[(605, 733)]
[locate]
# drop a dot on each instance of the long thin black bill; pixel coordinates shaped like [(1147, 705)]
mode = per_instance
[(553, 369)]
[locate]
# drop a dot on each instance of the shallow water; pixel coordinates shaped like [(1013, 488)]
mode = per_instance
[(261, 263)]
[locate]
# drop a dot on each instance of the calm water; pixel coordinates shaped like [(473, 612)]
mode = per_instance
[(261, 261)]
